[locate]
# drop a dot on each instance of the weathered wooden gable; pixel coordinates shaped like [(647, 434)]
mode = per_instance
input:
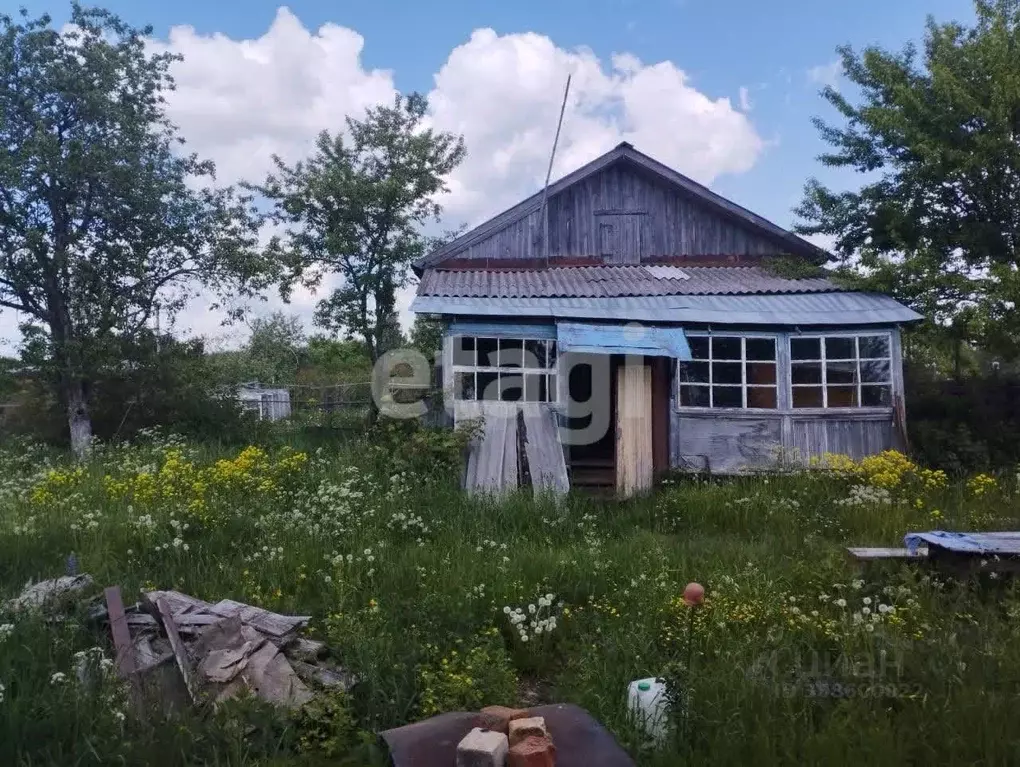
[(624, 215), (622, 208)]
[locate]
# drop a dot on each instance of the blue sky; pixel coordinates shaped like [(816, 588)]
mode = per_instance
[(724, 92), (722, 46)]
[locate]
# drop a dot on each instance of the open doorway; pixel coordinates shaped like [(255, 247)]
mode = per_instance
[(591, 420)]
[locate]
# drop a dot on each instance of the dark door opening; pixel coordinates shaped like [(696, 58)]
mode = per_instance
[(592, 405)]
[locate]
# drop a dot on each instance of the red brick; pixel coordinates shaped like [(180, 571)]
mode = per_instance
[(522, 728), (498, 718), (533, 751)]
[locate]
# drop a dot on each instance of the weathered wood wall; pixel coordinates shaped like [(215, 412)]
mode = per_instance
[(623, 216)]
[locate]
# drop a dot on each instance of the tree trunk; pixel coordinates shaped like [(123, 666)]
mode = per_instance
[(78, 417)]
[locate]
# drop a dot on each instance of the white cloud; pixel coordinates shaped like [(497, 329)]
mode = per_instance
[(238, 102), (826, 74), (744, 99)]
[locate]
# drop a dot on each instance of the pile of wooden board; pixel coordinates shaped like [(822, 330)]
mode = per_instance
[(196, 651)]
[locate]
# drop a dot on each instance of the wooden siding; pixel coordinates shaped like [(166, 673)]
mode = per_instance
[(624, 216), (855, 435)]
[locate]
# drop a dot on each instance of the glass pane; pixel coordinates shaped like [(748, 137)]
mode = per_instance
[(805, 349), (511, 387), (464, 350), (876, 396), (842, 396), (806, 373), (488, 386), (761, 348), (840, 372), (550, 390), (807, 396), (727, 372), (693, 372), (464, 385), (762, 397), (875, 371), (511, 352), (727, 396), (699, 347), (725, 348), (486, 352), (534, 354), (761, 372), (550, 354), (534, 386), (874, 346), (840, 349), (694, 396)]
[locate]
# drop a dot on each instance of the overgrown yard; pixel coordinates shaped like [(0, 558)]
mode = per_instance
[(796, 656)]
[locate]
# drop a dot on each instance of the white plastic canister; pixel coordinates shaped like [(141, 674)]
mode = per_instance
[(647, 703)]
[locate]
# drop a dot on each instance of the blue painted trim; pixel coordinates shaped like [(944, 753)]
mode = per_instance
[(503, 330), (632, 338)]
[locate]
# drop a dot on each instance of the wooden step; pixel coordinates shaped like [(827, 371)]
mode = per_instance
[(592, 477)]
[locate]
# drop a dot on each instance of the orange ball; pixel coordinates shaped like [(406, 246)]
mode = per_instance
[(694, 594)]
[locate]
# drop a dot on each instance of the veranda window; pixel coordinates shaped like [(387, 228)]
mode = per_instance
[(841, 371), (504, 369), (729, 371)]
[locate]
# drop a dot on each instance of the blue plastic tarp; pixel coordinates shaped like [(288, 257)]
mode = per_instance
[(966, 543), (631, 338)]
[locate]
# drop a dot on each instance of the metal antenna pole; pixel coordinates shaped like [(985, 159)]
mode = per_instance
[(548, 175)]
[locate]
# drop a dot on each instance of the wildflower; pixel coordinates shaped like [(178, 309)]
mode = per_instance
[(866, 611), (119, 716), (531, 609), (6, 629), (2, 688), (866, 600), (58, 677), (506, 610), (840, 603), (869, 627)]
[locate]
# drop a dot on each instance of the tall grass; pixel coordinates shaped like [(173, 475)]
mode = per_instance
[(408, 581)]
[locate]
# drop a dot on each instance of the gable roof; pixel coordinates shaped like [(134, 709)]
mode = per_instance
[(614, 281), (625, 152)]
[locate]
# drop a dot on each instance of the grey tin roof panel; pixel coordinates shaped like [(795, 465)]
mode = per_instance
[(790, 310), (613, 281)]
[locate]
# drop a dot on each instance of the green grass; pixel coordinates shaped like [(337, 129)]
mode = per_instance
[(407, 579)]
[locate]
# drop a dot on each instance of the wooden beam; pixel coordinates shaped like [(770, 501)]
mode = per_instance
[(180, 653), (125, 651)]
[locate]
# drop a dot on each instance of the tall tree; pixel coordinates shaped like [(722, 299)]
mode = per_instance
[(355, 209), (937, 137), (102, 217)]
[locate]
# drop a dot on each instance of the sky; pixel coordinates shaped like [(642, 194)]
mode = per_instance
[(723, 92)]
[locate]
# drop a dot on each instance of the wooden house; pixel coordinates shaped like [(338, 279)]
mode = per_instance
[(628, 320)]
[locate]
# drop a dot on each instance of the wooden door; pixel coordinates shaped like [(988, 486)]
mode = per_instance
[(634, 465)]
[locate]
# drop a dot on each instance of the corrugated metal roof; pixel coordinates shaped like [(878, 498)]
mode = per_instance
[(613, 281), (792, 310)]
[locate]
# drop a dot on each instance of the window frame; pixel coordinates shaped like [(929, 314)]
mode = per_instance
[(551, 373), (856, 335), (776, 338)]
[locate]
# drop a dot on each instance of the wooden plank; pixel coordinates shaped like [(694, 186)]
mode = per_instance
[(492, 460), (868, 554), (661, 379), (634, 429), (125, 655), (544, 451), (163, 605), (269, 623)]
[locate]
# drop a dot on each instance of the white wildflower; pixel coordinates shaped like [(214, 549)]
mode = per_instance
[(58, 678)]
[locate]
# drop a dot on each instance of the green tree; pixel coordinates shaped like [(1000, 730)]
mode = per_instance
[(275, 350), (936, 136), (355, 209), (103, 219)]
